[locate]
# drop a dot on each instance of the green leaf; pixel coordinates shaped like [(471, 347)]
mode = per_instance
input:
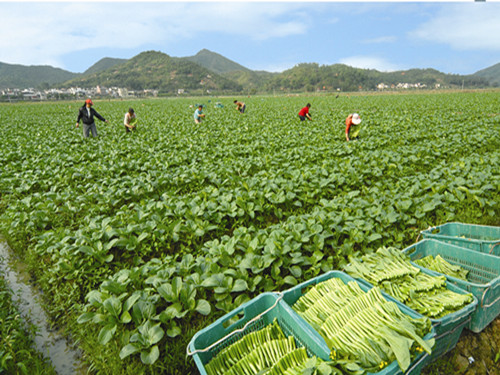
[(131, 301), (239, 286), (166, 291), (106, 333), (374, 237), (113, 305), (290, 280), (174, 331), (129, 349), (126, 317), (177, 286), (150, 357), (85, 317), (203, 307)]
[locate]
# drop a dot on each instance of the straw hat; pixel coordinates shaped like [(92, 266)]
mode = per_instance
[(356, 119)]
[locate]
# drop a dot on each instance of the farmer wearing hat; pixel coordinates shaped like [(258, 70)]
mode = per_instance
[(352, 119), (86, 114), (130, 120)]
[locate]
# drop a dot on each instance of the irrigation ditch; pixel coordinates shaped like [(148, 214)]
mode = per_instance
[(48, 340)]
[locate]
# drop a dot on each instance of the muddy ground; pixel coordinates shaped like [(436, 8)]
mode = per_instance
[(475, 353)]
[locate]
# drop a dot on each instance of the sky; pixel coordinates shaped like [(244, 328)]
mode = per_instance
[(459, 37)]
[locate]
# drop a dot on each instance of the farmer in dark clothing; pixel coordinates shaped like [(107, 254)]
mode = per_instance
[(86, 114)]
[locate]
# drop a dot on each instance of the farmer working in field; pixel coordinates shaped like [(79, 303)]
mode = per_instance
[(130, 120), (304, 113), (350, 133), (240, 106), (198, 114), (86, 114)]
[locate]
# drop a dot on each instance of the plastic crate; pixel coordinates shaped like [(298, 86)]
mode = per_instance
[(221, 328), (292, 295), (449, 327), (481, 238), (483, 278)]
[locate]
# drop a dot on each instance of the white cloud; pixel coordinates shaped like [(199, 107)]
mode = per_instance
[(370, 62), (39, 33), (382, 39), (464, 27)]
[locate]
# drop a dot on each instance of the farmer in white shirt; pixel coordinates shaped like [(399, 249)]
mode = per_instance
[(130, 120)]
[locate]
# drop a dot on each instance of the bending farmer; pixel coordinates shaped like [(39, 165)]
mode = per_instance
[(240, 106), (130, 120), (352, 119), (304, 113), (198, 114)]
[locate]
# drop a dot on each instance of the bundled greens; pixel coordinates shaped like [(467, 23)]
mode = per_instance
[(266, 352), (439, 264), (364, 331), (426, 294)]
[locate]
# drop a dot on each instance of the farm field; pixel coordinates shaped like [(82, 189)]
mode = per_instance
[(140, 240)]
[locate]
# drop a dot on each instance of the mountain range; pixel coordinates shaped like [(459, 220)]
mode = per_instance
[(211, 71)]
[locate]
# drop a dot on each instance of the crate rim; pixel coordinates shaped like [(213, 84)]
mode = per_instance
[(452, 278)]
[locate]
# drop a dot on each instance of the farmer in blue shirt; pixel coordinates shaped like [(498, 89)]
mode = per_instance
[(198, 115)]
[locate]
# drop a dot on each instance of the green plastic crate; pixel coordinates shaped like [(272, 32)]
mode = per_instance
[(481, 238), (293, 294), (483, 279), (224, 326), (448, 328)]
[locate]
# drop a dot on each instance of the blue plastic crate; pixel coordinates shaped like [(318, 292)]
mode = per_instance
[(483, 279), (481, 238), (239, 322), (293, 294)]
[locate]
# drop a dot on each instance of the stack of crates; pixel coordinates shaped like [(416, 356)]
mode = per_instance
[(449, 327), (475, 248), (483, 278), (269, 306), (292, 295), (483, 238)]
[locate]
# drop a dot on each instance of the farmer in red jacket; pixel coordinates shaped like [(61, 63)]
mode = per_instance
[(304, 113), (352, 119)]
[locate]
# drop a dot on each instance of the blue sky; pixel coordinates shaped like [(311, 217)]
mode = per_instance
[(459, 37)]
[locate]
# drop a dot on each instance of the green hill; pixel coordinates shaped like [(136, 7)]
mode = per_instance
[(103, 64), (21, 76), (311, 76), (492, 74), (156, 70), (215, 62)]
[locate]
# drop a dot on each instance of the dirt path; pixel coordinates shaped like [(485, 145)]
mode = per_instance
[(475, 354)]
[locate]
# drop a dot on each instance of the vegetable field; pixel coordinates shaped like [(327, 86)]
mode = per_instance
[(139, 240)]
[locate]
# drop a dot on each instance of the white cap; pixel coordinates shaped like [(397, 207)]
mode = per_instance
[(356, 119)]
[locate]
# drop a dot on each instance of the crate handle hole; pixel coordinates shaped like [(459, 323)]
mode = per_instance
[(234, 319)]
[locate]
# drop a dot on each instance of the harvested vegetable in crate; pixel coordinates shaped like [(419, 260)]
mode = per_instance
[(391, 270), (364, 331), (439, 264), (266, 351)]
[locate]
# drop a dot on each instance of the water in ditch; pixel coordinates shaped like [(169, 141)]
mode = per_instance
[(47, 340)]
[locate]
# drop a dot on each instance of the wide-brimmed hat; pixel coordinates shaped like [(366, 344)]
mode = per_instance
[(88, 101), (356, 119)]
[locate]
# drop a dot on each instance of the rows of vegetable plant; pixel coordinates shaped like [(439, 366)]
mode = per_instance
[(141, 239)]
